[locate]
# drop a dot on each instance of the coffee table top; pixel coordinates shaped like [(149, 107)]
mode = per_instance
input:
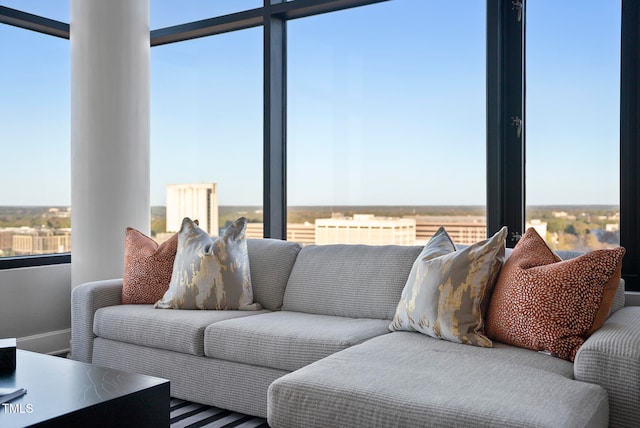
[(58, 386)]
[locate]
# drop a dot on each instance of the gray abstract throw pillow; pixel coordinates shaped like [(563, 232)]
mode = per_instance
[(447, 293), (210, 273)]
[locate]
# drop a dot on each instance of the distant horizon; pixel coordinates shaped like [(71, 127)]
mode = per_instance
[(341, 205)]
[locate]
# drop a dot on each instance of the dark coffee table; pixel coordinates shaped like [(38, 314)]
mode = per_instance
[(66, 393)]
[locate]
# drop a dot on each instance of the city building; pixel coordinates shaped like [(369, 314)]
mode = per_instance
[(303, 233), (612, 227), (365, 229), (41, 241), (464, 230), (197, 201), (58, 212), (6, 240), (539, 225)]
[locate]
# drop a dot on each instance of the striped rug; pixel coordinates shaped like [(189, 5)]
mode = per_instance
[(187, 414)]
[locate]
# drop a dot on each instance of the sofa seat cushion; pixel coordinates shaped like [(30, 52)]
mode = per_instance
[(173, 330), (287, 340), (407, 379)]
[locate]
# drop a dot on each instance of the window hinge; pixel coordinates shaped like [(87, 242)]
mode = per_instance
[(517, 5), (516, 121), (515, 236)]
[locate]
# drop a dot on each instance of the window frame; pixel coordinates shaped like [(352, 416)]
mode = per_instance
[(28, 21), (506, 80), (629, 142), (505, 119)]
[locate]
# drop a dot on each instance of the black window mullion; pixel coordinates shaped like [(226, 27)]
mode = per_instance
[(32, 22), (275, 124), (629, 142), (505, 118)]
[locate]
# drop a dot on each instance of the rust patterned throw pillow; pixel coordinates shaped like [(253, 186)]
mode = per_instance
[(543, 303), (147, 267)]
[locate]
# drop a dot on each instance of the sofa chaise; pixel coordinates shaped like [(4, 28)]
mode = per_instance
[(320, 352)]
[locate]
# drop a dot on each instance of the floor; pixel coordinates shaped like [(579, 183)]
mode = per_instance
[(187, 414)]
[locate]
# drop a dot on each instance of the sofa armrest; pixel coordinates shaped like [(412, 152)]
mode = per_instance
[(86, 299), (611, 359)]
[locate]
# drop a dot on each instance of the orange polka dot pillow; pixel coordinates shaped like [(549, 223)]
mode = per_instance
[(147, 267), (543, 303)]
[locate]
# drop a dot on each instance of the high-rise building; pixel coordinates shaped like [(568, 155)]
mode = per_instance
[(196, 201)]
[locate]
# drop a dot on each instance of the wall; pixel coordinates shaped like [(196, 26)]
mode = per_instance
[(35, 307)]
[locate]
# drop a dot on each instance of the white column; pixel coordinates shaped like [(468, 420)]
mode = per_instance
[(109, 132)]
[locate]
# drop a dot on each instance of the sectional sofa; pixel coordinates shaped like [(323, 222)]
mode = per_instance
[(320, 352)]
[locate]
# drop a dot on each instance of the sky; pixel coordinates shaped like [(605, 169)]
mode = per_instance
[(386, 105)]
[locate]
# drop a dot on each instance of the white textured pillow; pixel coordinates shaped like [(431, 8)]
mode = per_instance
[(447, 293), (208, 273)]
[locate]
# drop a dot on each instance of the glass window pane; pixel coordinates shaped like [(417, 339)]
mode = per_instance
[(573, 123), (386, 123), (35, 216), (206, 127)]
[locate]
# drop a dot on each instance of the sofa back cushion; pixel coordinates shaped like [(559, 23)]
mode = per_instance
[(270, 262), (356, 281)]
